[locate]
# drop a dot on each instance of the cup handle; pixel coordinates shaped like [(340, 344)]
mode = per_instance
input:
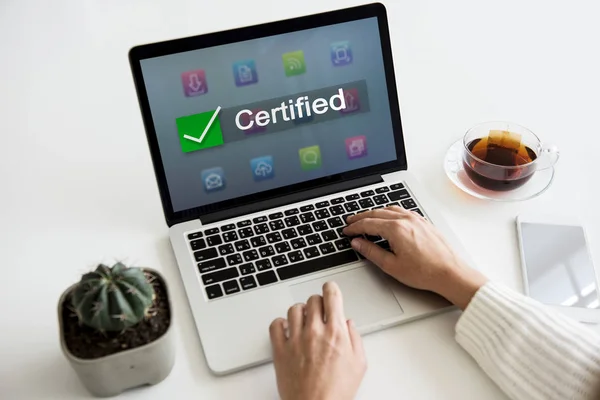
[(549, 157)]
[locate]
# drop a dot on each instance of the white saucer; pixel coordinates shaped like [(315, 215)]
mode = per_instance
[(538, 184)]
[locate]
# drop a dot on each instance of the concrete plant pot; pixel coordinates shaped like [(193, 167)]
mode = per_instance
[(111, 375)]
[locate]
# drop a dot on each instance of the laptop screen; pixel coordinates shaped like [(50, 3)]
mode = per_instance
[(242, 118)]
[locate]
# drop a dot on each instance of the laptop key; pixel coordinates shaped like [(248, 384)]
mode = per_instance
[(243, 223), (261, 265), (248, 282), (298, 243), (246, 269), (266, 278), (292, 221), (307, 217), (366, 203), (231, 287), (246, 232), (322, 214), (295, 256), (258, 241), (393, 204), (343, 244), (219, 276), (276, 215), (274, 237), (234, 259), (399, 195), (289, 233), (307, 208), (282, 247), (322, 204), (408, 204), (327, 248), (250, 255), (276, 225), (314, 239), (280, 260), (329, 236), (202, 255), (266, 251), (226, 249), (338, 200), (242, 245), (419, 212), (311, 252), (335, 222), (214, 240), (211, 265), (198, 244), (227, 227), (293, 211), (376, 208), (261, 228), (211, 231), (345, 217), (397, 186), (337, 210), (381, 199), (305, 230), (258, 220), (352, 197), (194, 235), (230, 236), (315, 265), (214, 291), (320, 226), (384, 189), (367, 193), (352, 206)]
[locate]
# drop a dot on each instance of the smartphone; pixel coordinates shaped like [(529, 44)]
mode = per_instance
[(557, 265)]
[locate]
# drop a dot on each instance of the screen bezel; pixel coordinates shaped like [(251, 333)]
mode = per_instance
[(139, 53), (581, 314)]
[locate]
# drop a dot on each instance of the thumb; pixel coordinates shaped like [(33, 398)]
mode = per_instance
[(371, 251)]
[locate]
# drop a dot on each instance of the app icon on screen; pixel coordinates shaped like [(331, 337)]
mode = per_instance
[(341, 53), (199, 131), (293, 63), (356, 147), (245, 120), (213, 179), (194, 83), (262, 168), (352, 101), (244, 73), (310, 158)]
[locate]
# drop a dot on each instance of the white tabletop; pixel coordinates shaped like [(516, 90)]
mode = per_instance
[(78, 185)]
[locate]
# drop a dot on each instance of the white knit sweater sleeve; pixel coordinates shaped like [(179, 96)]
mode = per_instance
[(531, 351)]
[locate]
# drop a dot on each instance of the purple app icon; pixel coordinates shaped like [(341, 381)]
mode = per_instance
[(356, 147), (194, 83)]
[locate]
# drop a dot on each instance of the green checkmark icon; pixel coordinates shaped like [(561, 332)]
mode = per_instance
[(200, 131)]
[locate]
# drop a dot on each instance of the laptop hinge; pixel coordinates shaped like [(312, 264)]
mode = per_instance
[(290, 199)]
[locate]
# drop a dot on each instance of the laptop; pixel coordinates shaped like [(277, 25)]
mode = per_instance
[(263, 140)]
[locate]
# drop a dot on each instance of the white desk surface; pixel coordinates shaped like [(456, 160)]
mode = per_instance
[(78, 186)]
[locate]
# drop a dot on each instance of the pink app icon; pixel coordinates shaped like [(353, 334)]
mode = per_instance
[(245, 120), (356, 147), (352, 101), (194, 83)]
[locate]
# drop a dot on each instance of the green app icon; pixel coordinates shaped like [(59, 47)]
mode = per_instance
[(200, 131), (310, 158), (293, 63)]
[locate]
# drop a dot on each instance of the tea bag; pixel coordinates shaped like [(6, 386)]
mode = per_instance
[(506, 140)]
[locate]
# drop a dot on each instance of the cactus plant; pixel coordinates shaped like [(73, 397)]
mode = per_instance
[(112, 298)]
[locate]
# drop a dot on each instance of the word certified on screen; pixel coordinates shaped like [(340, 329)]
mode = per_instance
[(290, 110)]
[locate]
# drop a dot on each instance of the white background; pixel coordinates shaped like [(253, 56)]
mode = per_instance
[(78, 186)]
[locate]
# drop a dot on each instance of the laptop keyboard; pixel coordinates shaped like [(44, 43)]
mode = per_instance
[(234, 258)]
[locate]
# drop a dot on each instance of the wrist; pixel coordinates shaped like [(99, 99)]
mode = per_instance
[(461, 284)]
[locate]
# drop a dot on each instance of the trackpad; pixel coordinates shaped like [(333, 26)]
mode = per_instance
[(367, 298)]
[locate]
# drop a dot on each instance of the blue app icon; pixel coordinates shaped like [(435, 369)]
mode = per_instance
[(262, 168), (213, 179), (341, 53), (244, 73)]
